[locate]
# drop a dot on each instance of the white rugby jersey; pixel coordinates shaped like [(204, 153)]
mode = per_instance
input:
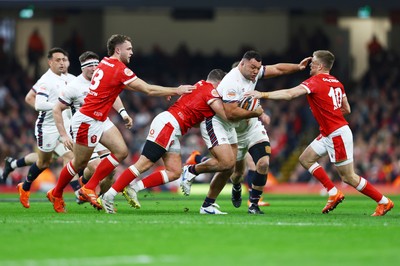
[(232, 88), (48, 87), (74, 93)]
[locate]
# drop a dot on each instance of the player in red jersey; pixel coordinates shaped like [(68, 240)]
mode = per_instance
[(163, 141), (91, 125), (329, 104)]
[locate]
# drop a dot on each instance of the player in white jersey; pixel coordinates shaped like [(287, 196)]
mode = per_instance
[(72, 98), (60, 151), (49, 86), (249, 134)]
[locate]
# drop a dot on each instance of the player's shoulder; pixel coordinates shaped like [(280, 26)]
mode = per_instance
[(78, 82), (231, 78)]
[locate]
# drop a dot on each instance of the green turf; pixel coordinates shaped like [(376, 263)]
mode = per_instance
[(164, 232)]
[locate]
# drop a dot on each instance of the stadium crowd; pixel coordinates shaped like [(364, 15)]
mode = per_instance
[(375, 117)]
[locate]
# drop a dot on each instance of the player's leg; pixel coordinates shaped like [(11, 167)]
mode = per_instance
[(112, 140), (348, 176), (251, 171), (308, 159), (11, 164), (44, 159), (260, 152), (236, 179)]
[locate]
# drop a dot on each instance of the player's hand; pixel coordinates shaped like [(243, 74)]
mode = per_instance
[(128, 121), (255, 94), (68, 143), (185, 89), (259, 111), (303, 64)]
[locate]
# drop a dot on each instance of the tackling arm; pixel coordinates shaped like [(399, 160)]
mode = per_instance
[(156, 90), (285, 94), (234, 112), (285, 68)]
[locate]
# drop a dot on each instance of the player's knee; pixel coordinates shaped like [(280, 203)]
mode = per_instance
[(227, 163), (263, 165)]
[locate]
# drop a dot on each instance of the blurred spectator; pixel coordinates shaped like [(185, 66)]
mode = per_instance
[(35, 52)]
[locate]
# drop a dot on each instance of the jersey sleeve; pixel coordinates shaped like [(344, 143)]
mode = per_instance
[(68, 94), (42, 96), (127, 76), (310, 85)]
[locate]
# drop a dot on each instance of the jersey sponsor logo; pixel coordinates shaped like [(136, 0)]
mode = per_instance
[(151, 132), (93, 139), (128, 72), (330, 80), (231, 94), (214, 93), (96, 113), (107, 63), (92, 93)]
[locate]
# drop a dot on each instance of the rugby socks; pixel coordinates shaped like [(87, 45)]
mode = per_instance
[(255, 196), (33, 173), (75, 185), (18, 163), (155, 179), (208, 202), (319, 173), (192, 169), (125, 178), (67, 173), (200, 158), (369, 190), (249, 178), (106, 166)]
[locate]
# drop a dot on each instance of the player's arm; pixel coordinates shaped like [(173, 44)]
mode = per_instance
[(345, 106), (156, 90), (119, 107), (58, 108), (285, 68), (285, 94), (234, 112), (218, 107), (30, 98), (42, 97)]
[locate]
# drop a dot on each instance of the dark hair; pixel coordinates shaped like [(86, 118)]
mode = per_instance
[(56, 50), (325, 57), (87, 55), (216, 75), (252, 54), (114, 41)]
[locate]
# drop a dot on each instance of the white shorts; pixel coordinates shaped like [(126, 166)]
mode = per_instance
[(215, 133), (339, 146), (88, 131), (60, 150), (47, 140), (165, 131), (250, 135)]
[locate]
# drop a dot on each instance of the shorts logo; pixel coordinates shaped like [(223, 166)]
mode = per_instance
[(151, 133), (93, 139)]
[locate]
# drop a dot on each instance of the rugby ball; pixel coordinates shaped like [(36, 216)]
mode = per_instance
[(249, 103)]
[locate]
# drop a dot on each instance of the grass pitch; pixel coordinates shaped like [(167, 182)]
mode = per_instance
[(169, 230)]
